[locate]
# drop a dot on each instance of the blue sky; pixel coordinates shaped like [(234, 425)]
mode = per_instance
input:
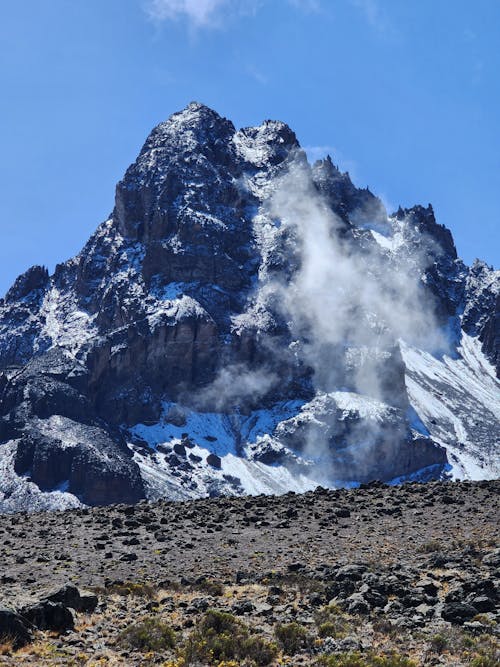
[(403, 94)]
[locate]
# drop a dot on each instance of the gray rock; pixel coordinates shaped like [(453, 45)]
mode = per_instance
[(356, 604), (243, 607)]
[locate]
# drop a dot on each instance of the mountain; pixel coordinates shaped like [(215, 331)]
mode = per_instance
[(245, 322)]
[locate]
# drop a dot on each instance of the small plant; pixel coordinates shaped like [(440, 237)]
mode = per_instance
[(258, 650), (485, 620), (211, 587), (485, 661), (150, 634), (370, 659), (485, 652), (439, 643), (221, 639), (292, 637), (327, 629), (137, 589), (219, 622), (429, 547), (383, 626), (333, 622)]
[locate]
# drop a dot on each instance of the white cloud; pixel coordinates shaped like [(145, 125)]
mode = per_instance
[(212, 13), (198, 12)]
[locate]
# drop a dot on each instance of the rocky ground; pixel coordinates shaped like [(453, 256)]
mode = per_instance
[(386, 576)]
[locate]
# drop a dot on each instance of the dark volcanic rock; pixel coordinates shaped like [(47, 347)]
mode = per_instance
[(13, 627), (458, 612), (70, 596), (48, 615)]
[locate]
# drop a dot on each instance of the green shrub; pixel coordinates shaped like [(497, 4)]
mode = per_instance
[(222, 637), (327, 629), (138, 589), (150, 634), (258, 650), (292, 637), (219, 622), (485, 661), (439, 643), (370, 659), (333, 622), (485, 652), (210, 587)]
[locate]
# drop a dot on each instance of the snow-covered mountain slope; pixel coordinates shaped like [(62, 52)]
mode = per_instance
[(245, 322), (458, 401)]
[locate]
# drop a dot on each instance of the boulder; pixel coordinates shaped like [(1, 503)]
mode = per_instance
[(47, 615), (13, 627), (458, 612), (70, 596), (214, 461)]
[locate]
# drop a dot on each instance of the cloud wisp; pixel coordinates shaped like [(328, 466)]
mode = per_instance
[(200, 13), (213, 13)]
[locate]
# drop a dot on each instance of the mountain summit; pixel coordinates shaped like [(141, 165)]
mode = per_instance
[(246, 322)]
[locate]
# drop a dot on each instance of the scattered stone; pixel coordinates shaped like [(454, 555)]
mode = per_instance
[(214, 461)]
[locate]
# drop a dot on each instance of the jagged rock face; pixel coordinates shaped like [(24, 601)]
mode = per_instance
[(59, 440), (481, 315), (178, 299), (348, 201)]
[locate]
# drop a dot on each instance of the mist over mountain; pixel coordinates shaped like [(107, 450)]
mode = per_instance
[(245, 322)]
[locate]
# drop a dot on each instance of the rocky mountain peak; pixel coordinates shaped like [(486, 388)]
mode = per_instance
[(352, 204), (196, 126), (34, 281), (270, 143), (188, 361), (424, 221)]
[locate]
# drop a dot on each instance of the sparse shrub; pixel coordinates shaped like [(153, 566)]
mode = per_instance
[(221, 638), (136, 588), (292, 637), (150, 634), (439, 643), (485, 620), (333, 622), (370, 659), (327, 629), (485, 652), (429, 547), (210, 587), (383, 626), (486, 660), (258, 650)]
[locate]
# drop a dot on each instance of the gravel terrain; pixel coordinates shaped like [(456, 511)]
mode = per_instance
[(408, 572)]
